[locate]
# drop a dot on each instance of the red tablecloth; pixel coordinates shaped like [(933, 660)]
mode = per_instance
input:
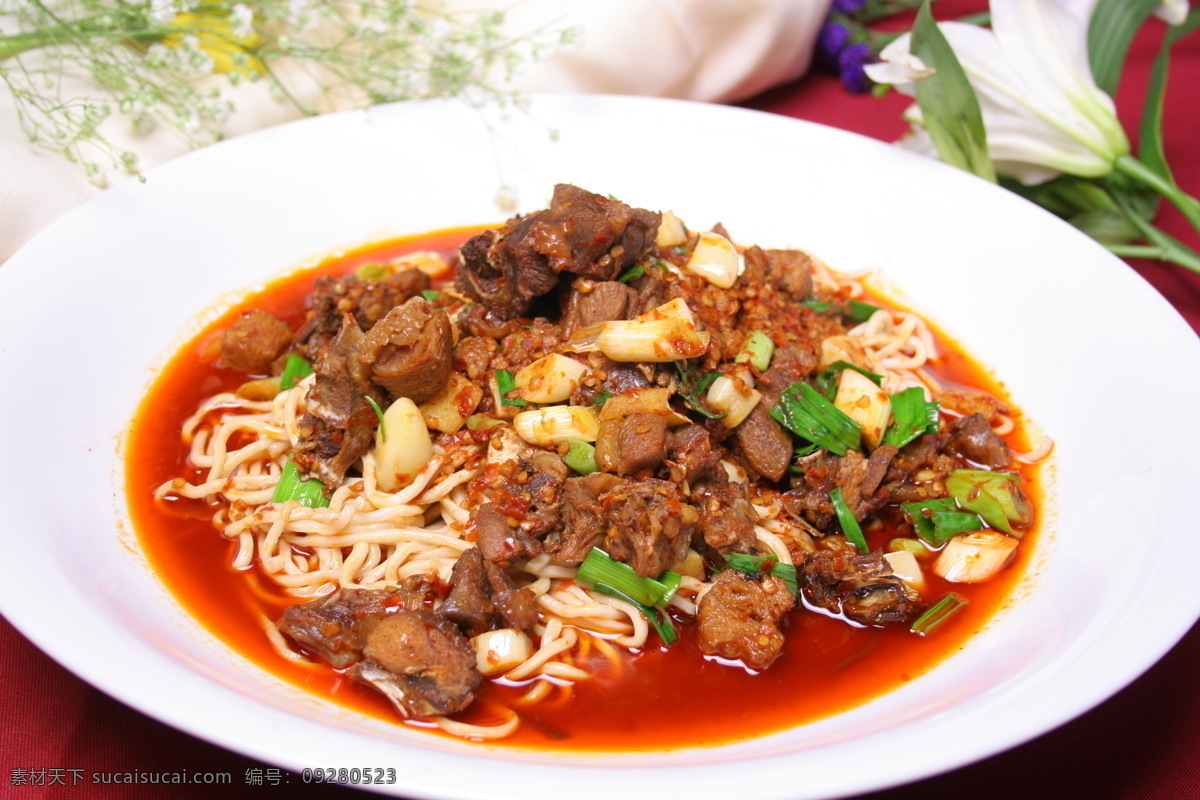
[(1140, 745)]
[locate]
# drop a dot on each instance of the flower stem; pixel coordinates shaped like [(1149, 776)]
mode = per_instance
[(1166, 187), (17, 43), (1184, 258)]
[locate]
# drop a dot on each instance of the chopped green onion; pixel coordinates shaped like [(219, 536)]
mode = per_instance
[(752, 565), (693, 390), (372, 271), (378, 413), (482, 422), (805, 412), (922, 522), (827, 380), (661, 620), (671, 580), (912, 416), (805, 450), (858, 311), (505, 383), (634, 272), (291, 486), (816, 305), (850, 529), (756, 350), (995, 496), (679, 250), (602, 398), (938, 613), (296, 369), (581, 457), (913, 546), (599, 567), (431, 295)]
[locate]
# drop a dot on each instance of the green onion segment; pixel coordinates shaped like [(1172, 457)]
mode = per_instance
[(850, 528), (938, 613), (937, 521), (296, 368), (632, 273), (291, 486), (805, 412), (617, 579), (505, 383), (756, 350), (752, 565), (858, 311), (995, 496), (372, 271), (912, 416), (581, 457), (431, 294)]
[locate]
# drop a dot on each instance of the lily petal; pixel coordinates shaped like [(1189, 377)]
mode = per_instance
[(1172, 12), (899, 66)]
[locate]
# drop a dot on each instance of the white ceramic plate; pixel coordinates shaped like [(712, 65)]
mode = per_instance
[(90, 307)]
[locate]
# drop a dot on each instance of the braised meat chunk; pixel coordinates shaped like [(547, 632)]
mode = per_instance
[(483, 597), (972, 438), (583, 517), (581, 233), (742, 618), (340, 425), (765, 445), (590, 303), (649, 525), (860, 586), (368, 301), (420, 662), (410, 351), (254, 342), (633, 444)]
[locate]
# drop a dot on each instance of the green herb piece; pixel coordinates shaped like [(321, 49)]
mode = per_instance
[(581, 457), (679, 250), (693, 390), (938, 521), (634, 272), (949, 107), (600, 568), (670, 580), (995, 496), (752, 565), (431, 295), (296, 369), (938, 613), (505, 383), (378, 413), (291, 486), (372, 271), (756, 351), (858, 311), (816, 305), (805, 412), (602, 398), (827, 381), (850, 529), (912, 416)]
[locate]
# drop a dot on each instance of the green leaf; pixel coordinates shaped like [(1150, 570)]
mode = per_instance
[(1150, 149), (1106, 227), (1110, 32), (949, 107)]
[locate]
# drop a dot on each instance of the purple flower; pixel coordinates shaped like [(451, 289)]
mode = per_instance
[(831, 40), (850, 64), (847, 6)]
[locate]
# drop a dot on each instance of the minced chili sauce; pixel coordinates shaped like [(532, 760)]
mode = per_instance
[(660, 698)]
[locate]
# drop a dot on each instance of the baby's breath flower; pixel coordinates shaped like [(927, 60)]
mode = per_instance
[(167, 62)]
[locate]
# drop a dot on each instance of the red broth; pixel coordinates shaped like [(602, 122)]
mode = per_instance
[(661, 698)]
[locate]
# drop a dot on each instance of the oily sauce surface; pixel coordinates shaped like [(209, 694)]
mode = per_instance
[(658, 699)]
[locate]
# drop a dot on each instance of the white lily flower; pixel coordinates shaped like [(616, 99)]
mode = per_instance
[(1172, 12), (1042, 110)]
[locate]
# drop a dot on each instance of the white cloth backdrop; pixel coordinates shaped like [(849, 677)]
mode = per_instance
[(708, 50)]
